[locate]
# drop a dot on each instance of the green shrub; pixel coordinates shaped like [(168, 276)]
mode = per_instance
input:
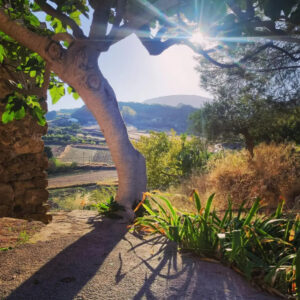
[(171, 158), (56, 166)]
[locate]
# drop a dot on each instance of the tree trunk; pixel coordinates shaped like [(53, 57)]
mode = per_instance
[(78, 67), (83, 74), (249, 142)]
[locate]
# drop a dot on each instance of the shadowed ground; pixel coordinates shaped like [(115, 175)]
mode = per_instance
[(81, 256)]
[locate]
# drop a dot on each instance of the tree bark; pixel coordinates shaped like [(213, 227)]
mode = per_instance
[(78, 67), (83, 74), (249, 142)]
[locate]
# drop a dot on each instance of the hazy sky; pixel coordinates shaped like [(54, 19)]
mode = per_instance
[(137, 76)]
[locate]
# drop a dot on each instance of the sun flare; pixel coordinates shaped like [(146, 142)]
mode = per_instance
[(197, 38)]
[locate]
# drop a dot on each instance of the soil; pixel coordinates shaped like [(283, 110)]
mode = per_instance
[(16, 231), (82, 256), (82, 178)]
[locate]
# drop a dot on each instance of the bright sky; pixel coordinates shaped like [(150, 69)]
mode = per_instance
[(136, 76)]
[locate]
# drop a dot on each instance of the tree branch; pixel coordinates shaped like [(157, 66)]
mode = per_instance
[(100, 20), (117, 20), (77, 32), (24, 36), (244, 59), (63, 36), (46, 82), (155, 46), (134, 24), (48, 49), (275, 69)]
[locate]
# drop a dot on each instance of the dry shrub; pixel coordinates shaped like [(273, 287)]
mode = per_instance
[(271, 174)]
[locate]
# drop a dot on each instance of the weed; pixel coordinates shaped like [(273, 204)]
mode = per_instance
[(23, 237), (110, 208), (5, 249)]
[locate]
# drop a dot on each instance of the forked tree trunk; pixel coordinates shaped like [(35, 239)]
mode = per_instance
[(83, 74), (78, 67)]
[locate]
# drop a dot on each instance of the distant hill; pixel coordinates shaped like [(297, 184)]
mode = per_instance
[(146, 116), (175, 100)]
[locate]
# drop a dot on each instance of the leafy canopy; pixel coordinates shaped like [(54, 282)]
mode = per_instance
[(159, 24), (258, 106)]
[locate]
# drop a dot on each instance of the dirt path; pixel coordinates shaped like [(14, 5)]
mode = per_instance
[(82, 178), (81, 256)]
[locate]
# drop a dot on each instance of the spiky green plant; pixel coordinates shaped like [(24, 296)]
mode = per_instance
[(263, 247), (110, 208)]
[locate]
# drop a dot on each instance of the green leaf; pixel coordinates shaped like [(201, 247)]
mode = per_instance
[(197, 201), (56, 93), (279, 209), (7, 116), (32, 73), (34, 21), (75, 96), (20, 114), (75, 16), (208, 206), (2, 53), (149, 210), (252, 212), (48, 18)]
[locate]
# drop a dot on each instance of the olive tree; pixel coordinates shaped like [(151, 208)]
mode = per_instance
[(70, 57)]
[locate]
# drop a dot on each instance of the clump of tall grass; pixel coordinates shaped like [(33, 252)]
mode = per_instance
[(80, 198), (265, 248), (272, 172)]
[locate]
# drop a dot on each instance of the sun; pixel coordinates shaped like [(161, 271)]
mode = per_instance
[(197, 38)]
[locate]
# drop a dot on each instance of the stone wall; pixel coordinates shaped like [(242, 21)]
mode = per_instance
[(23, 163)]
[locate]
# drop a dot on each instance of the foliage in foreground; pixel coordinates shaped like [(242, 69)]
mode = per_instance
[(264, 248)]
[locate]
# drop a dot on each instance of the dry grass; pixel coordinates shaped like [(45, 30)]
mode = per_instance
[(86, 155), (271, 174)]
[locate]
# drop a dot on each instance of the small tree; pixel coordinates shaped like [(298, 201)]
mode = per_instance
[(258, 106), (67, 52)]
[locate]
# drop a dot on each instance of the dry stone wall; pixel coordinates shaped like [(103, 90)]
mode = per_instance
[(23, 165)]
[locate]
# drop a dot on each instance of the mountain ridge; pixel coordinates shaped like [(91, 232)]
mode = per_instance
[(175, 100)]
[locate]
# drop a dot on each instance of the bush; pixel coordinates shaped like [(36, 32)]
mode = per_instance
[(272, 173), (56, 166), (171, 158), (48, 152)]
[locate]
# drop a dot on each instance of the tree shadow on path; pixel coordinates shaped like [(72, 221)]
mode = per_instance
[(70, 270), (184, 276), (109, 263)]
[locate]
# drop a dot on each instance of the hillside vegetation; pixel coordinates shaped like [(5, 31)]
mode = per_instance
[(146, 116)]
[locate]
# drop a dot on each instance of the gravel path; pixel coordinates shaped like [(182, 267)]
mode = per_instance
[(80, 256), (81, 178)]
